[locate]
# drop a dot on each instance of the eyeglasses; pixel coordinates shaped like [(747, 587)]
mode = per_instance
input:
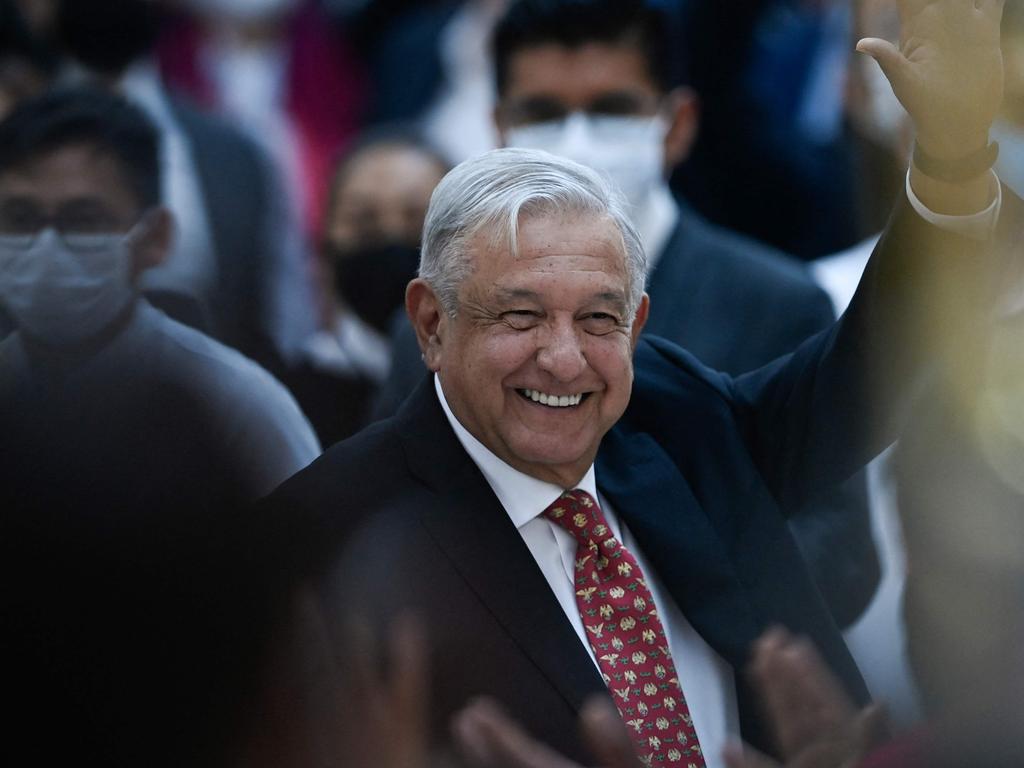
[(543, 109), (77, 236)]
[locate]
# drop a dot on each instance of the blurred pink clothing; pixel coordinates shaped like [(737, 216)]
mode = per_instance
[(324, 93)]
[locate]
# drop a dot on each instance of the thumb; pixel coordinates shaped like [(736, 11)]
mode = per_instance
[(887, 55), (606, 736)]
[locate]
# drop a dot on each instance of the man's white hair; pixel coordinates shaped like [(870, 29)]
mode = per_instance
[(494, 191)]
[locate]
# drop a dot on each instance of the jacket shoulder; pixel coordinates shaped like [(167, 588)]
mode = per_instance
[(753, 266)]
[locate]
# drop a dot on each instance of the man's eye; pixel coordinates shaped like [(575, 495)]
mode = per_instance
[(520, 319), (600, 323)]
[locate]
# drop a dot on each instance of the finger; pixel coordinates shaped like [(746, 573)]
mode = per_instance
[(605, 734), (489, 737), (408, 664), (799, 695), (362, 670), (821, 689), (408, 691), (888, 57), (745, 756)]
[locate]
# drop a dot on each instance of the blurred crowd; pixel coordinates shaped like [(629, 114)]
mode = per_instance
[(209, 214)]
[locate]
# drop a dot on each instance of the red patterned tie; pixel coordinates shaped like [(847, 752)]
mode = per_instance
[(627, 638)]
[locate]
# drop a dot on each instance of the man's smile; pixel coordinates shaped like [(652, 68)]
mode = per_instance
[(553, 401)]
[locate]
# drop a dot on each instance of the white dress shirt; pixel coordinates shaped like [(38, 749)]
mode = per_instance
[(350, 347), (706, 679)]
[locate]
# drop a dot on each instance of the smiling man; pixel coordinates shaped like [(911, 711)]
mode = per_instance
[(535, 356), (572, 509)]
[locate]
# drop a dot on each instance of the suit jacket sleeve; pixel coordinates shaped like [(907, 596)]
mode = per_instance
[(810, 420)]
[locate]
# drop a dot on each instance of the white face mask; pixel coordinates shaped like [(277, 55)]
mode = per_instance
[(243, 10), (630, 151), (65, 295)]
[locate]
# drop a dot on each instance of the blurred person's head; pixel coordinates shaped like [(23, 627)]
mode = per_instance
[(26, 62), (107, 36), (374, 220), (142, 598), (80, 215), (595, 81)]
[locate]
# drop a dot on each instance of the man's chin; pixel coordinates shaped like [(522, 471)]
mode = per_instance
[(553, 464)]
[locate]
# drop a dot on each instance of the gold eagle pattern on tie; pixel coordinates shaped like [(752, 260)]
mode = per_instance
[(626, 635)]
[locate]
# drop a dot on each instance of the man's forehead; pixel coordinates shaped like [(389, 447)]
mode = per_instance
[(579, 71), (74, 171), (549, 243)]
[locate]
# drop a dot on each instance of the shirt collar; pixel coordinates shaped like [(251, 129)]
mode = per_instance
[(523, 497)]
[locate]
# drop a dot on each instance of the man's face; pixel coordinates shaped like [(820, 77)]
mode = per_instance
[(548, 82), (75, 189), (547, 326)]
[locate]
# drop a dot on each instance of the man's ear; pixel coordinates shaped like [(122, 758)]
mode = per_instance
[(154, 244), (641, 318), (428, 319), (684, 123)]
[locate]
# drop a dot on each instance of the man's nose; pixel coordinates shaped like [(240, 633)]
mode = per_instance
[(561, 352)]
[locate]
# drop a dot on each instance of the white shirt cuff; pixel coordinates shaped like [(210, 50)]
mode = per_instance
[(977, 226)]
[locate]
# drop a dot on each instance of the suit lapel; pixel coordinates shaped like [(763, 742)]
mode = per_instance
[(467, 522), (651, 496)]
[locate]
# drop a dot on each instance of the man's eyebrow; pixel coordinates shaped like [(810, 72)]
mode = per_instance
[(512, 294)]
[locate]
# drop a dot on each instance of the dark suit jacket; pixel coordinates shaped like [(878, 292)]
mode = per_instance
[(702, 468), (736, 305), (729, 300)]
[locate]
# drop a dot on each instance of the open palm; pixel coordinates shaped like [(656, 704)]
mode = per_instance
[(947, 71)]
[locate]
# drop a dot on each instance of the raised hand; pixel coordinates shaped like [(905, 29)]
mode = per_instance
[(811, 718), (947, 71), (489, 738)]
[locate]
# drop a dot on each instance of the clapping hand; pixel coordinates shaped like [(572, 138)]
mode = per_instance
[(814, 723)]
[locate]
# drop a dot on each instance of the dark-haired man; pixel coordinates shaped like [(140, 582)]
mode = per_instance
[(594, 81), (80, 222), (237, 251)]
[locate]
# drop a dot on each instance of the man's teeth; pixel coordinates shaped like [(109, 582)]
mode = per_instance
[(556, 401)]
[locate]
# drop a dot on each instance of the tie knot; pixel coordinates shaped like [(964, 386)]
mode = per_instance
[(578, 513)]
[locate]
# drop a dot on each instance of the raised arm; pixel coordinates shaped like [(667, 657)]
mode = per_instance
[(841, 398)]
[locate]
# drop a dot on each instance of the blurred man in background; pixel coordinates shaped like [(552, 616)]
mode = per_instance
[(80, 222), (236, 251)]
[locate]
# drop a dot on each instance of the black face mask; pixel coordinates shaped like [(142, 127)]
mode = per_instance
[(372, 280), (108, 35)]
